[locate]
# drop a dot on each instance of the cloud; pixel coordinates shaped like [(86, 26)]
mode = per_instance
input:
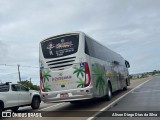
[(129, 27), (4, 51)]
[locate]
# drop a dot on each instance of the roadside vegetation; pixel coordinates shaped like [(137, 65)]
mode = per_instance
[(144, 75), (29, 85)]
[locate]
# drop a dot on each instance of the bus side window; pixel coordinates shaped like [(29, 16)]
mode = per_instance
[(89, 49), (86, 48)]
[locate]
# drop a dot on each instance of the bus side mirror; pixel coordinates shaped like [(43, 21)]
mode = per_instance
[(127, 64)]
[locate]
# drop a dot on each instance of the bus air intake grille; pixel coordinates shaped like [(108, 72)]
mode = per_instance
[(60, 64), (60, 59)]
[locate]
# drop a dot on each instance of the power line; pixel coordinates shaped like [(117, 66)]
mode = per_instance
[(9, 74), (18, 64), (19, 75), (30, 66)]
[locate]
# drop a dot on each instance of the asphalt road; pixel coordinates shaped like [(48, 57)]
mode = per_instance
[(144, 98), (81, 111)]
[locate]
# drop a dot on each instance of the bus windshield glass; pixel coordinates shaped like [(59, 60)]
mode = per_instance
[(60, 46)]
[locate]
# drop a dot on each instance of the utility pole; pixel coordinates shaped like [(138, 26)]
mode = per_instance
[(30, 80), (19, 73)]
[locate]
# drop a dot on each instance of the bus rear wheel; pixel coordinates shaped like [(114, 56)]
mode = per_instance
[(109, 92)]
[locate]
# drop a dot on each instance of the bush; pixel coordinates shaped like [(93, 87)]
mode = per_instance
[(28, 84)]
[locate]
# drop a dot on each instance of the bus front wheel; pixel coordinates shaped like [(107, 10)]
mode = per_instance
[(125, 88)]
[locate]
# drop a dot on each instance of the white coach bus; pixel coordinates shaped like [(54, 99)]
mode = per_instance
[(75, 67)]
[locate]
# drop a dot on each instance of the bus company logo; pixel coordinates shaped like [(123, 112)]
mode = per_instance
[(61, 78), (64, 45), (6, 114)]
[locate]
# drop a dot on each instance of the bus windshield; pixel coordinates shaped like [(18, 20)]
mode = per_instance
[(60, 46)]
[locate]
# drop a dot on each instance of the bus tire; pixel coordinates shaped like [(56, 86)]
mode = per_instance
[(109, 92), (125, 88)]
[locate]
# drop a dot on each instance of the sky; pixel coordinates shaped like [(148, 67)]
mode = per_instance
[(129, 27)]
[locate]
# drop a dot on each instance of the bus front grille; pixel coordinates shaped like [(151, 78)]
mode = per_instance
[(59, 64)]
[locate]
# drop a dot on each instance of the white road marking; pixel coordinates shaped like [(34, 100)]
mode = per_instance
[(106, 107), (50, 107), (146, 91)]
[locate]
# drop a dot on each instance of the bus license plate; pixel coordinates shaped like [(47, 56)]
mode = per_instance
[(62, 95)]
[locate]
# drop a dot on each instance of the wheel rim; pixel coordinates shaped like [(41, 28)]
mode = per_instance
[(109, 92)]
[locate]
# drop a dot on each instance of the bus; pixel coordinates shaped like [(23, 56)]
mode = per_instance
[(74, 67)]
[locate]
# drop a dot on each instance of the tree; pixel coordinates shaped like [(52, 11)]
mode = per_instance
[(154, 72), (29, 85)]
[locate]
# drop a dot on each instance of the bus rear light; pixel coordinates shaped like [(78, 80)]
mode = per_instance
[(87, 75), (41, 82), (81, 90)]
